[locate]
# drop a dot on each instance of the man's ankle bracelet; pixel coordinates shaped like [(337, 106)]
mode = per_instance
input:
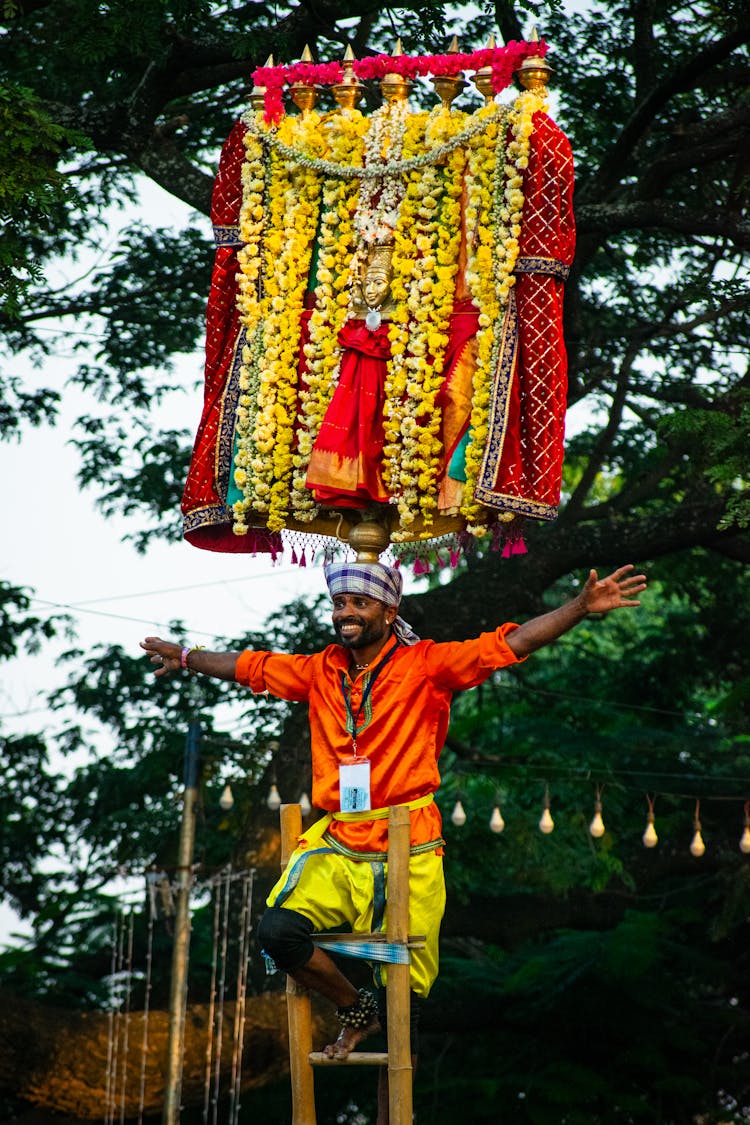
[(361, 1014)]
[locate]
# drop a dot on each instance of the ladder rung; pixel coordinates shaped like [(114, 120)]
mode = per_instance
[(355, 1058)]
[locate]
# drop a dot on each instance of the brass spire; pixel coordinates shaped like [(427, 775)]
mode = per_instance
[(483, 77), (258, 93), (348, 91), (304, 94), (534, 72), (393, 87), (448, 88)]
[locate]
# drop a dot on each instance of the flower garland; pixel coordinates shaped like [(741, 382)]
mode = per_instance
[(363, 172), (264, 444), (504, 61), (249, 258), (428, 241), (344, 133), (494, 213)]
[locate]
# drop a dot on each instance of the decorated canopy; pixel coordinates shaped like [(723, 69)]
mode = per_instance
[(384, 329)]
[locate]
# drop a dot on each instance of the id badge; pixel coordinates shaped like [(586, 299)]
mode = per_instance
[(354, 785)]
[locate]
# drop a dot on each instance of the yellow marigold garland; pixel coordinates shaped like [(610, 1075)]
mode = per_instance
[(427, 238), (265, 450), (344, 132)]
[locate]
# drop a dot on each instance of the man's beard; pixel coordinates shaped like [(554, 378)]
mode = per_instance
[(368, 634)]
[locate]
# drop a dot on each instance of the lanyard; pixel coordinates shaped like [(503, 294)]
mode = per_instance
[(352, 719)]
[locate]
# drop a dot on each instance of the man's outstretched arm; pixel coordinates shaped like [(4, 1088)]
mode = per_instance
[(166, 656), (617, 591)]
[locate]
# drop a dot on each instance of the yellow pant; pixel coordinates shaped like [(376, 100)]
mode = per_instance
[(332, 890)]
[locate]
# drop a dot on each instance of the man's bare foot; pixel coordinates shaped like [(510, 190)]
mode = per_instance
[(348, 1038)]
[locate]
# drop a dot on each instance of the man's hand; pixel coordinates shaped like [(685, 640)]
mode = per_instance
[(597, 596), (164, 654), (167, 657), (616, 591)]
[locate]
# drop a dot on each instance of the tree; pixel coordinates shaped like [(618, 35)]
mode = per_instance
[(654, 99)]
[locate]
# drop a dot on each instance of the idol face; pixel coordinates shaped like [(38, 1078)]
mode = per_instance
[(376, 286), (360, 621)]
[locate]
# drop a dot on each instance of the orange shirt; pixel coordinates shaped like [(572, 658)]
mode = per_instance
[(402, 727)]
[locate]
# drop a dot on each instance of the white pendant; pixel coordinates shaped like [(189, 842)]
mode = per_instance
[(372, 320)]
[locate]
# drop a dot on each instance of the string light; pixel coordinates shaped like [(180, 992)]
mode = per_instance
[(650, 839), (226, 800), (697, 847), (274, 799), (546, 824), (596, 828), (458, 816), (745, 840), (497, 824)]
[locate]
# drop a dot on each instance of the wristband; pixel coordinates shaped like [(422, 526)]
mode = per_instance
[(184, 657)]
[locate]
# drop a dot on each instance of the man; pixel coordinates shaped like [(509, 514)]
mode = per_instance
[(379, 710)]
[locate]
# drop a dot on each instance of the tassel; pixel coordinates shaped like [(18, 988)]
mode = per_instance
[(419, 567), (302, 559), (294, 557), (518, 547), (455, 556)]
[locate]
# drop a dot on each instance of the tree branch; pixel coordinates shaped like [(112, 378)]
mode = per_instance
[(493, 589), (619, 160)]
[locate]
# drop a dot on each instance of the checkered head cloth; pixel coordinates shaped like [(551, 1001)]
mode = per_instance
[(384, 583)]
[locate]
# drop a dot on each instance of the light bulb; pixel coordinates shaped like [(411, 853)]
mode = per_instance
[(546, 824), (496, 820), (596, 828), (458, 816), (304, 805), (697, 847), (273, 800), (650, 839), (226, 800), (745, 841)]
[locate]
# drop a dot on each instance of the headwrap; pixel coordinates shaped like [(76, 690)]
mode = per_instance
[(374, 580)]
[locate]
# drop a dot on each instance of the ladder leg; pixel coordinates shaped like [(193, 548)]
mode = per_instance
[(298, 1002), (397, 986)]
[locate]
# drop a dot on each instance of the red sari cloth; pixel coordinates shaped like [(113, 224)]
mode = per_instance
[(522, 466), (346, 462), (207, 521)]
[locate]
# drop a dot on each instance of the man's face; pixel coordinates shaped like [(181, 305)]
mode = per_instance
[(360, 621)]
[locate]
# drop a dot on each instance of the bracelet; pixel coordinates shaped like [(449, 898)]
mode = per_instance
[(184, 657)]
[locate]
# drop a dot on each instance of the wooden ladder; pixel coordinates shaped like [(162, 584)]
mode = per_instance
[(302, 1058)]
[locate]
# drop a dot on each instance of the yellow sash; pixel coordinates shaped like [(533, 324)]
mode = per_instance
[(316, 832)]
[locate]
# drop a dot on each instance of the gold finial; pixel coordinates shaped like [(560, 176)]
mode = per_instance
[(348, 91), (304, 94), (393, 87), (448, 88), (369, 539), (258, 93), (534, 72), (483, 77)]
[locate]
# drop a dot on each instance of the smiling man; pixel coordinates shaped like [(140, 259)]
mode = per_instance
[(379, 706)]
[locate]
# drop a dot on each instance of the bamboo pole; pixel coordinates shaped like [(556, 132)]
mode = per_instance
[(181, 947), (397, 986), (299, 1011)]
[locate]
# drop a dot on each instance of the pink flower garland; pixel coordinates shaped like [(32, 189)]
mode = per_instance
[(503, 60)]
